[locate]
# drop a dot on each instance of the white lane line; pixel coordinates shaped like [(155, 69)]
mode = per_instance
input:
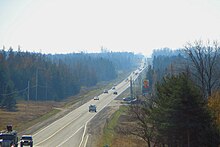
[(70, 136), (87, 123), (78, 131), (87, 137), (95, 115), (84, 133), (51, 124), (58, 130), (72, 121)]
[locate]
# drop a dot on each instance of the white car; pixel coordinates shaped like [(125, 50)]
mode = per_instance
[(96, 98), (26, 140)]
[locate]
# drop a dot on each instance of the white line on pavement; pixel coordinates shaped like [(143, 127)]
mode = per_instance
[(58, 130)]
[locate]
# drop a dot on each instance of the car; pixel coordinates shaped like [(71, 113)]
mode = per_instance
[(92, 107), (96, 98), (105, 91), (26, 140), (113, 88), (127, 99), (137, 102), (115, 92), (133, 101)]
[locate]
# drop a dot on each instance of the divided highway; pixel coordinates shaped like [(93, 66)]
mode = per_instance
[(70, 130)]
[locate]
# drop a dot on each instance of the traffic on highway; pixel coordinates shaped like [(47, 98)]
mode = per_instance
[(70, 130)]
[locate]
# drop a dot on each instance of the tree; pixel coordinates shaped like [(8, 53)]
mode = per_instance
[(181, 116), (141, 125), (203, 61), (214, 106), (9, 102)]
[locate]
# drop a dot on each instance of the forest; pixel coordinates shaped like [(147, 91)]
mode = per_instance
[(39, 77)]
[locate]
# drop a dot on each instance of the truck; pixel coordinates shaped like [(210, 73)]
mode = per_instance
[(8, 138)]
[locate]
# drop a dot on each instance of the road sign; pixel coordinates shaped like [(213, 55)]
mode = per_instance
[(145, 86)]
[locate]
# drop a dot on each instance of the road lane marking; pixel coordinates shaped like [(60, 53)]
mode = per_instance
[(87, 137), (59, 130), (84, 132), (90, 120), (70, 136), (51, 124), (70, 123), (126, 85)]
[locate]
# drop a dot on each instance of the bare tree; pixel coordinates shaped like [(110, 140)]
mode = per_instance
[(140, 124), (202, 62)]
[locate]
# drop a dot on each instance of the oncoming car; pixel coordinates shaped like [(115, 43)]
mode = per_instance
[(26, 140)]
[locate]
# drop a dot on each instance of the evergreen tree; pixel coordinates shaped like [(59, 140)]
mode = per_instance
[(181, 116), (9, 102)]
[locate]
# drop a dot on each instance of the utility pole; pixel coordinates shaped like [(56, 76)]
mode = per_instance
[(36, 84), (131, 88), (28, 96), (46, 90), (28, 91)]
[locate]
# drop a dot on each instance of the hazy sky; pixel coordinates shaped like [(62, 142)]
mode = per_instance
[(65, 26)]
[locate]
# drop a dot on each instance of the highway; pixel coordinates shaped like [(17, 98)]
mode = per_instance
[(70, 130)]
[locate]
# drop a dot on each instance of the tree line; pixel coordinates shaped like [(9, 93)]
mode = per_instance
[(55, 77), (182, 108)]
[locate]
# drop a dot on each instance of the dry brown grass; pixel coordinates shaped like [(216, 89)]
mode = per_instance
[(26, 114), (128, 141), (113, 135)]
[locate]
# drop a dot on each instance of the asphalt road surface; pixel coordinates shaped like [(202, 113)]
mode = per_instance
[(70, 130)]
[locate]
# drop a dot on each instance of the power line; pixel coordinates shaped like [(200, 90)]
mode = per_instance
[(19, 91)]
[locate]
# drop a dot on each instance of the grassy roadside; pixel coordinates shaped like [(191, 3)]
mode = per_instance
[(27, 114), (39, 119), (109, 129), (113, 137)]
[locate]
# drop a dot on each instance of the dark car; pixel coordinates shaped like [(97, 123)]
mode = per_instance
[(26, 140), (105, 91), (92, 107), (126, 99), (115, 92)]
